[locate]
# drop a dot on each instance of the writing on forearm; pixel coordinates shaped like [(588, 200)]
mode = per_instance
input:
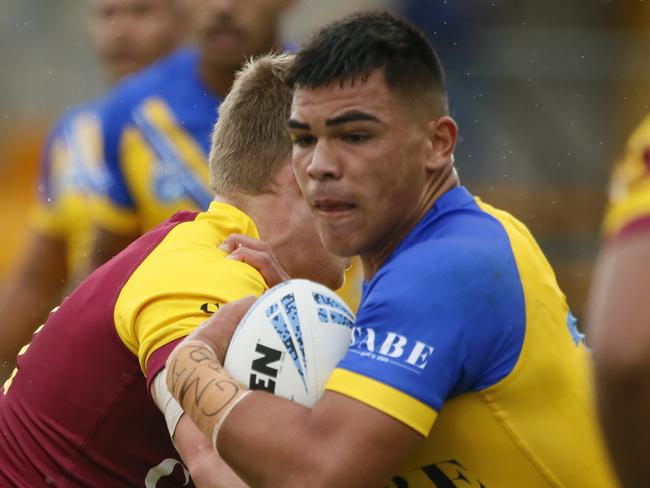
[(203, 388)]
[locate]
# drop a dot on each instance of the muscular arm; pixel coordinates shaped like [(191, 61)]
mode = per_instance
[(204, 463), (340, 442), (31, 293), (270, 441), (619, 331), (107, 244), (206, 467)]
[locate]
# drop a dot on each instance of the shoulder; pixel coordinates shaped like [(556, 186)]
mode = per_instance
[(71, 115), (468, 254), (154, 80), (629, 189)]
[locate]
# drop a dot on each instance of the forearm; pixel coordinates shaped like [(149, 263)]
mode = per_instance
[(270, 441), (268, 450)]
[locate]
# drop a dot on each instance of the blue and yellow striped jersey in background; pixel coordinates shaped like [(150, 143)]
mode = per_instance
[(71, 170), (157, 129), (464, 335)]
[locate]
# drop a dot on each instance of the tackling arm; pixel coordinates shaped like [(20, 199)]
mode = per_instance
[(206, 467)]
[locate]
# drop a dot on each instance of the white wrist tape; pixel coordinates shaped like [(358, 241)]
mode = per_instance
[(167, 404)]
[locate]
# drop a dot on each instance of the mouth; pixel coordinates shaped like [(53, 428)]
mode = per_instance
[(226, 37), (333, 208)]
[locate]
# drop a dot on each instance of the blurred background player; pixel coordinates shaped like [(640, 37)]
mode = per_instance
[(156, 125), (619, 325), (127, 35)]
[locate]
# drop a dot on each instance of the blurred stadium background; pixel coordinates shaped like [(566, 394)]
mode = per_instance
[(545, 94)]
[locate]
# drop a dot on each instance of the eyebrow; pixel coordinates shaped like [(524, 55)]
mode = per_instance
[(294, 124), (351, 116)]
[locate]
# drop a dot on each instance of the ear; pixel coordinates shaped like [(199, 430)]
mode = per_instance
[(443, 134)]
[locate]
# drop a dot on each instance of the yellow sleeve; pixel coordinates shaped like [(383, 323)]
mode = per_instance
[(629, 191), (175, 289), (408, 410)]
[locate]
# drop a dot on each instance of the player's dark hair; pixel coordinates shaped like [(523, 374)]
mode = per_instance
[(352, 48)]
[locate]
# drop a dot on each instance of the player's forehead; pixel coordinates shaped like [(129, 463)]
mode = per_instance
[(372, 96)]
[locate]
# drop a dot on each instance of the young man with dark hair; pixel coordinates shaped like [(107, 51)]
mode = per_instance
[(465, 367)]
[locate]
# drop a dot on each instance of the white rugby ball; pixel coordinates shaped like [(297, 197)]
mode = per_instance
[(290, 341)]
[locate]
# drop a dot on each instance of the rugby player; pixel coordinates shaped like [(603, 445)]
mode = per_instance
[(78, 411), (157, 125), (127, 35), (465, 366), (619, 314)]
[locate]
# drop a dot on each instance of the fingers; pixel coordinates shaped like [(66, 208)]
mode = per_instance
[(257, 254), (235, 241), (265, 263)]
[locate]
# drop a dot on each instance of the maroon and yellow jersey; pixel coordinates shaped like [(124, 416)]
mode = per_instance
[(629, 192), (77, 411)]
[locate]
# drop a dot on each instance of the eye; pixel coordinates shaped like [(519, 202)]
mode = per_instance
[(303, 141), (355, 137)]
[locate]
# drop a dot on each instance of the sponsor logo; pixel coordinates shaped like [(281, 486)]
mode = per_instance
[(209, 308), (264, 376), (390, 347), (445, 474), (572, 324)]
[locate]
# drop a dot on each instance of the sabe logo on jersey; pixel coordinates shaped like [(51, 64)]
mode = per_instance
[(390, 347)]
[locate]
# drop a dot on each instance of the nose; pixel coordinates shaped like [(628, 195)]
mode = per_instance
[(324, 164), (223, 6)]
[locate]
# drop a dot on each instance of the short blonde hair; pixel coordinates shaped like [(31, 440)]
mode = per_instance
[(250, 141)]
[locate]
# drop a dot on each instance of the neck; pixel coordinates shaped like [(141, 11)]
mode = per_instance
[(437, 186)]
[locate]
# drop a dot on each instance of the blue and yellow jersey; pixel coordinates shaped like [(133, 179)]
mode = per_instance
[(629, 192), (156, 130), (71, 168), (157, 127), (464, 335)]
